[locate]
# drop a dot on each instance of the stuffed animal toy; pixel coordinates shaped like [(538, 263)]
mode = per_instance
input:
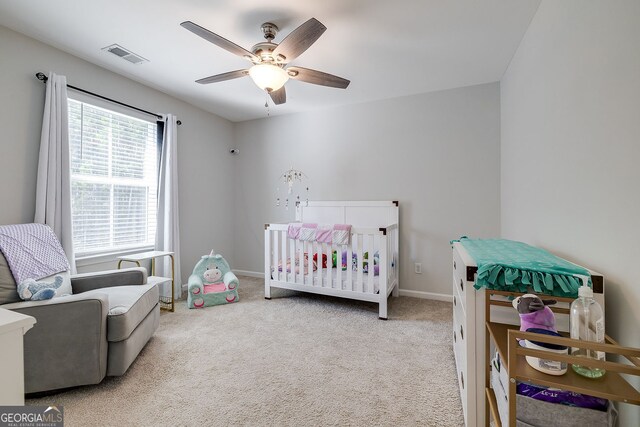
[(334, 260), (324, 260), (212, 283), (297, 267), (536, 317), (31, 290), (365, 263), (534, 313)]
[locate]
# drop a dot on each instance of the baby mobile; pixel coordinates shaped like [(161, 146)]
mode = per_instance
[(295, 181)]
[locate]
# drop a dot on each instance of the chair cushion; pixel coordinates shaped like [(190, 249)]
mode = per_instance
[(8, 289), (128, 306)]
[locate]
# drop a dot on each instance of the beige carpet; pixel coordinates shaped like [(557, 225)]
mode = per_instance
[(297, 360)]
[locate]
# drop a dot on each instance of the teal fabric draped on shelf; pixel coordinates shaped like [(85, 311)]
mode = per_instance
[(515, 266)]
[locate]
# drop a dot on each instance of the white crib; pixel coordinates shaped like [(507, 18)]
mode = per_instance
[(374, 230)]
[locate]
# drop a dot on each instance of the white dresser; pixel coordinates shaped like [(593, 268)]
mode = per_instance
[(469, 332), (12, 327)]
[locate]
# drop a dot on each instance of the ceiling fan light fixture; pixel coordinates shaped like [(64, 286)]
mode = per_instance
[(268, 77), (269, 59)]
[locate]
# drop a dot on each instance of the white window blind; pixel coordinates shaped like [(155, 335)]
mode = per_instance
[(114, 174)]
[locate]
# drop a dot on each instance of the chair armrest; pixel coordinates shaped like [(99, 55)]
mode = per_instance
[(195, 284), (67, 346), (230, 280), (107, 279)]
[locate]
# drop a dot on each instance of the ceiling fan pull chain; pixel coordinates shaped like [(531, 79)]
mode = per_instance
[(266, 104)]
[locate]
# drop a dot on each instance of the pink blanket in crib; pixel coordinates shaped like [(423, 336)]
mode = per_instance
[(308, 232), (324, 233), (339, 234), (293, 231)]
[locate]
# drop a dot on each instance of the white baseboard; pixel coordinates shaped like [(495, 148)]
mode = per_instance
[(257, 274), (426, 295)]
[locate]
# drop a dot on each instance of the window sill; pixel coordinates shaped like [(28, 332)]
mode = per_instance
[(102, 258)]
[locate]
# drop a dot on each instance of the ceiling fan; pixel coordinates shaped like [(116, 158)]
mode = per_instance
[(270, 70)]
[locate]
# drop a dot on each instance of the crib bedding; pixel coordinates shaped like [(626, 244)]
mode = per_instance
[(339, 234)]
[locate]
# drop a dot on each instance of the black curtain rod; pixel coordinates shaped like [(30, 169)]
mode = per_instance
[(43, 78)]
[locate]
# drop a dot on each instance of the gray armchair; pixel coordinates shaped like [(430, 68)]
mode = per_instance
[(80, 338)]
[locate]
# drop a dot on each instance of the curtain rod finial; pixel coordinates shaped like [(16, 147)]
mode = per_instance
[(42, 77)]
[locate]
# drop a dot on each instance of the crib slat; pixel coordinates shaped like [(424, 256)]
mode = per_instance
[(283, 255), (309, 253), (391, 245), (321, 251), (275, 256), (311, 265), (393, 255), (318, 253), (301, 263), (338, 250), (389, 258), (375, 244), (360, 259), (349, 284), (292, 258), (268, 268), (383, 277), (300, 273), (306, 262), (319, 262), (327, 270), (329, 266)]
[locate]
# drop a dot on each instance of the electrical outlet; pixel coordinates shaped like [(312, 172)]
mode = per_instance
[(418, 267)]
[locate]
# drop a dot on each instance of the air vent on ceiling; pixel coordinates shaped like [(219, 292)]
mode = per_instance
[(125, 54)]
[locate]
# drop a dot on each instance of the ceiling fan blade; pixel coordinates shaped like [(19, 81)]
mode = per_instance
[(278, 96), (317, 77), (219, 40), (224, 76), (299, 40)]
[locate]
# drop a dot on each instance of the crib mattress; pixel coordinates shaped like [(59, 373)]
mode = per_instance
[(314, 280)]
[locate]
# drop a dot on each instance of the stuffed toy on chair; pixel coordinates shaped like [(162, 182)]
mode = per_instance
[(32, 290), (212, 283)]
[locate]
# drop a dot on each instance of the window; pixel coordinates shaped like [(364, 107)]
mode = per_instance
[(114, 174)]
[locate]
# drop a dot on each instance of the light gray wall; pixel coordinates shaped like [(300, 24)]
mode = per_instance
[(203, 141), (570, 149), (437, 153)]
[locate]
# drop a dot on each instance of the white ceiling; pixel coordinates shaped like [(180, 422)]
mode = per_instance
[(386, 48)]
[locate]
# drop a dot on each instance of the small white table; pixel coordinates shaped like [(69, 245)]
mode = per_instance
[(166, 303), (12, 328)]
